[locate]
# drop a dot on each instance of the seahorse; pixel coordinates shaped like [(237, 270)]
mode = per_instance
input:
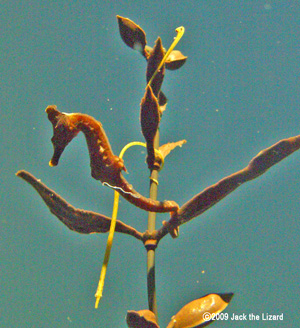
[(105, 166)]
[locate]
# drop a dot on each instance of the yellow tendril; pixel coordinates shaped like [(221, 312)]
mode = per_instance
[(154, 180), (180, 32), (110, 237), (138, 143)]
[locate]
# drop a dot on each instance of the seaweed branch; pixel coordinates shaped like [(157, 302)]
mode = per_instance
[(213, 194), (85, 222)]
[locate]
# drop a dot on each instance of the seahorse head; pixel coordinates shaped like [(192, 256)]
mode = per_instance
[(64, 130)]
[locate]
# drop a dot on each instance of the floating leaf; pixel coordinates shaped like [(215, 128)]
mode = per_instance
[(132, 34), (167, 148), (150, 117), (154, 61), (199, 312), (78, 220), (213, 194), (162, 100), (141, 319), (175, 60)]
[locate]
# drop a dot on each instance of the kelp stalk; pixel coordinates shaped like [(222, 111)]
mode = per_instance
[(151, 244)]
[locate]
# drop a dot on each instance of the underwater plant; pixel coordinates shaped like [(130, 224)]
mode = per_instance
[(107, 168)]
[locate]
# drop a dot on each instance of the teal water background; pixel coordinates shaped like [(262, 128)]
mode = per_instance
[(237, 94)]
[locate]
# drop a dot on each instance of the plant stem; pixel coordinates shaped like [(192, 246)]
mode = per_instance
[(151, 249)]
